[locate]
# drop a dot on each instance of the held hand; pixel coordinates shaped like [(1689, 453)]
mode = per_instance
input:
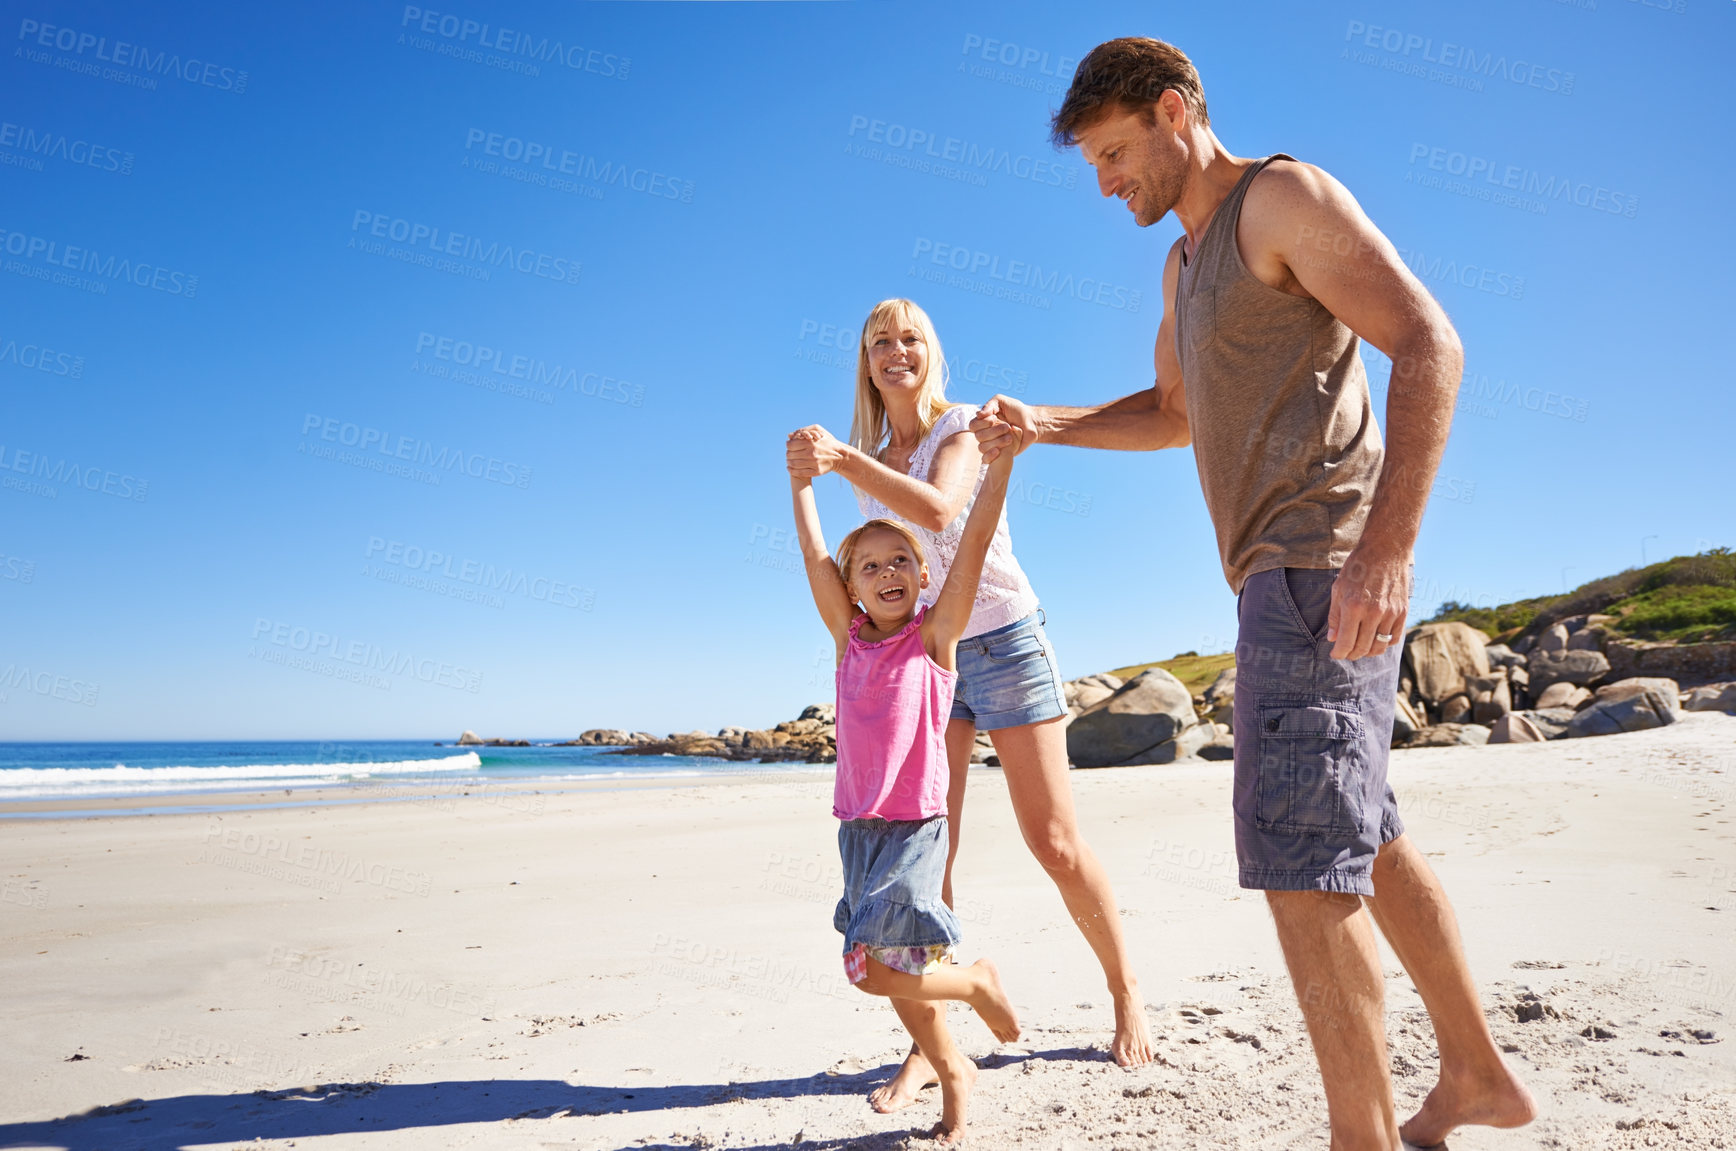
[(1370, 599), (812, 451), (1001, 464), (996, 424)]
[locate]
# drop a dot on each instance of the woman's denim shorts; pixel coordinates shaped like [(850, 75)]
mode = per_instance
[(1008, 677)]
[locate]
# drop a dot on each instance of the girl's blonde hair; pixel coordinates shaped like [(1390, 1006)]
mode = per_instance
[(869, 429), (847, 549)]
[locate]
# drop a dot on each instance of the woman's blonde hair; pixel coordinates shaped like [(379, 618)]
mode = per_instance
[(869, 429), (847, 549)]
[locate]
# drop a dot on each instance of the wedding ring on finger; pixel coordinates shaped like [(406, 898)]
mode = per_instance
[(1383, 637)]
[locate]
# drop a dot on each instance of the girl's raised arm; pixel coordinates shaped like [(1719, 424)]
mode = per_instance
[(952, 608), (824, 581)]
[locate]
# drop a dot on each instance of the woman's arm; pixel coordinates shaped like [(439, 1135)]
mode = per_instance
[(930, 504), (823, 578), (948, 618)]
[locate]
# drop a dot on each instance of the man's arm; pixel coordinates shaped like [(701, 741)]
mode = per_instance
[(1302, 231), (1143, 422)]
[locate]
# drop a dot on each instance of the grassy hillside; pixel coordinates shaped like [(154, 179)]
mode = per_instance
[(1687, 599), (1194, 670)]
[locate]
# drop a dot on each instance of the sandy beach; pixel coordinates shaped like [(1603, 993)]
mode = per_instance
[(654, 967)]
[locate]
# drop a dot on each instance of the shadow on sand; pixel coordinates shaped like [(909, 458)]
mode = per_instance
[(332, 1108)]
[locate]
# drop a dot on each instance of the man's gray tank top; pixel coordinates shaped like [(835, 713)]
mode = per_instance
[(1278, 407)]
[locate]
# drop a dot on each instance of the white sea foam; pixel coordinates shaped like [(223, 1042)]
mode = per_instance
[(43, 782)]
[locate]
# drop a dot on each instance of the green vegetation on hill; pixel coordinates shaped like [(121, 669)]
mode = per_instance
[(1687, 599), (1195, 671)]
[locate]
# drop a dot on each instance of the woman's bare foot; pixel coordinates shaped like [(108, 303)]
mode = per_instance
[(992, 1004), (903, 1088), (1132, 1046), (1499, 1103), (955, 1097)]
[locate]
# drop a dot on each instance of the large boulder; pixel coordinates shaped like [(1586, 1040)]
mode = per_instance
[(1222, 745), (1585, 668), (824, 712), (469, 739), (1515, 728), (1187, 744), (1405, 721), (1500, 655), (1629, 705), (1150, 709), (1563, 694), (1220, 697), (1628, 688), (1456, 708), (1491, 697), (1089, 690), (1450, 735), (1713, 697), (1441, 656), (1551, 721), (1551, 640)]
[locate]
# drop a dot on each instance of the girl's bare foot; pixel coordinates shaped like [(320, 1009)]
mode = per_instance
[(903, 1088), (1132, 1046), (992, 1004), (955, 1097)]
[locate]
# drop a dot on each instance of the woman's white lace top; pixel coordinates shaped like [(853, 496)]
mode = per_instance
[(1004, 595)]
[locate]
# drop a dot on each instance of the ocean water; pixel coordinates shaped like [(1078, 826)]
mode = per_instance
[(38, 771)]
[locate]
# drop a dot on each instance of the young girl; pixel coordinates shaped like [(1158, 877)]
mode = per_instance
[(897, 667)]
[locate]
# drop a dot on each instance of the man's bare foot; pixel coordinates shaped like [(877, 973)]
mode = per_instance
[(1502, 1103), (1132, 1046), (903, 1088), (955, 1097), (993, 1005)]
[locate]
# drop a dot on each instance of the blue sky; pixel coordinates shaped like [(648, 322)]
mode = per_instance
[(467, 304)]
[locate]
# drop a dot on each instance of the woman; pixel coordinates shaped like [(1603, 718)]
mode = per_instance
[(912, 457)]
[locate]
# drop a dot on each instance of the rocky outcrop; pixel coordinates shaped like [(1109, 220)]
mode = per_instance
[(1219, 700), (1712, 697), (469, 739), (1450, 735), (1563, 694), (1131, 725), (1440, 657), (809, 738), (1692, 663), (1629, 705), (1585, 668), (1514, 728)]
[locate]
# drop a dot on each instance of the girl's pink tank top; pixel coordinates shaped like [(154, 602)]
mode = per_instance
[(893, 706)]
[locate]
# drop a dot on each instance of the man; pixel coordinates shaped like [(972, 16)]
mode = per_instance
[(1278, 277)]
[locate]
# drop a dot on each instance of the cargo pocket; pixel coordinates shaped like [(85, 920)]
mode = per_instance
[(1309, 771)]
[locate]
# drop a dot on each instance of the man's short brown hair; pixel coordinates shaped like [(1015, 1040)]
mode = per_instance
[(1131, 73)]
